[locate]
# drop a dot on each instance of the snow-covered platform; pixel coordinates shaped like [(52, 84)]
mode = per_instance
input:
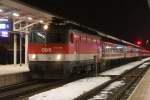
[(13, 69), (13, 74), (142, 91)]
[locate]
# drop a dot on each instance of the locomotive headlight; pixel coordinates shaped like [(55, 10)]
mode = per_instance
[(33, 56), (59, 56)]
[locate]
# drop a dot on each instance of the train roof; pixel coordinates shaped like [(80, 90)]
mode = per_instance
[(101, 33)]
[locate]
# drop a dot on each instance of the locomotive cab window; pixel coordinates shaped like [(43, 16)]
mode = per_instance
[(37, 37)]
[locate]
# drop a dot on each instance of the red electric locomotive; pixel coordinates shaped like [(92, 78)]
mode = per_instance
[(62, 50)]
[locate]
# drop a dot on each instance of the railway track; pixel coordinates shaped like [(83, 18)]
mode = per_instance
[(23, 90), (129, 78), (26, 89)]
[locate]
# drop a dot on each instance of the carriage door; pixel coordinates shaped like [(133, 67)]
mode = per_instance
[(99, 49), (77, 49)]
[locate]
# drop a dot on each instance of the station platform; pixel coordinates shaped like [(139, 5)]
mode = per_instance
[(142, 90), (13, 69), (13, 74)]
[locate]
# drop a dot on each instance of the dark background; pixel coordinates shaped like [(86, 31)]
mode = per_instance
[(125, 19)]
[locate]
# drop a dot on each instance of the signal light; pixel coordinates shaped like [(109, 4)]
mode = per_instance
[(139, 42)]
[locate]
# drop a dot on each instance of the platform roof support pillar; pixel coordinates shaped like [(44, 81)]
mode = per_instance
[(26, 48), (15, 49), (20, 49)]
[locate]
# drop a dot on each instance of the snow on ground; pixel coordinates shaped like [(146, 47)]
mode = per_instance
[(74, 89), (11, 69), (123, 68), (71, 90), (144, 65), (146, 59), (104, 94)]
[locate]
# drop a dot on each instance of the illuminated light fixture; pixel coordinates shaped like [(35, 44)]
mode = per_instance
[(108, 47), (139, 42), (45, 27), (3, 19), (30, 18), (16, 14), (33, 57), (41, 21), (1, 10), (58, 57)]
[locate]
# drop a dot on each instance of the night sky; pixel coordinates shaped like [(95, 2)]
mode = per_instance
[(125, 19)]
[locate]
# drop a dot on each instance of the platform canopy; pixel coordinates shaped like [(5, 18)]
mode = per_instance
[(24, 16)]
